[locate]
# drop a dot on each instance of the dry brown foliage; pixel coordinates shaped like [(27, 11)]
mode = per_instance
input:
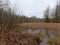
[(15, 38), (55, 26)]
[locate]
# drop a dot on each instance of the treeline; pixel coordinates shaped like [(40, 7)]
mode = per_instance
[(54, 15), (24, 19), (9, 20)]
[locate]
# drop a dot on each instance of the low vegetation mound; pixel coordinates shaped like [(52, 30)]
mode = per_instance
[(14, 38)]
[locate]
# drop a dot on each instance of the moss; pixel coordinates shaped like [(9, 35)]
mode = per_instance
[(40, 35), (54, 41)]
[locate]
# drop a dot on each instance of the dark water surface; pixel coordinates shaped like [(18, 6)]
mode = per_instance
[(47, 34)]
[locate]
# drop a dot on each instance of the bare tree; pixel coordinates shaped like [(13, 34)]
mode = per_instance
[(46, 15), (57, 13)]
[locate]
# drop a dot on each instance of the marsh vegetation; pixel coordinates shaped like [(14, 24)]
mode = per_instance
[(18, 29)]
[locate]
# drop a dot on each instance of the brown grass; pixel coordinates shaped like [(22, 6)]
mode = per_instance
[(15, 38), (55, 26)]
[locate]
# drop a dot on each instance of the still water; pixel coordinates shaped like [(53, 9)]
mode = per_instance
[(46, 33)]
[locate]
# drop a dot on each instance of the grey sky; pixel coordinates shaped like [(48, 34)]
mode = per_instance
[(33, 7)]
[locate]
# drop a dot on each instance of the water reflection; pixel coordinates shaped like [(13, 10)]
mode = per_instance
[(47, 34)]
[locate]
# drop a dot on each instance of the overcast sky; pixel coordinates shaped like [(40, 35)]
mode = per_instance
[(33, 7)]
